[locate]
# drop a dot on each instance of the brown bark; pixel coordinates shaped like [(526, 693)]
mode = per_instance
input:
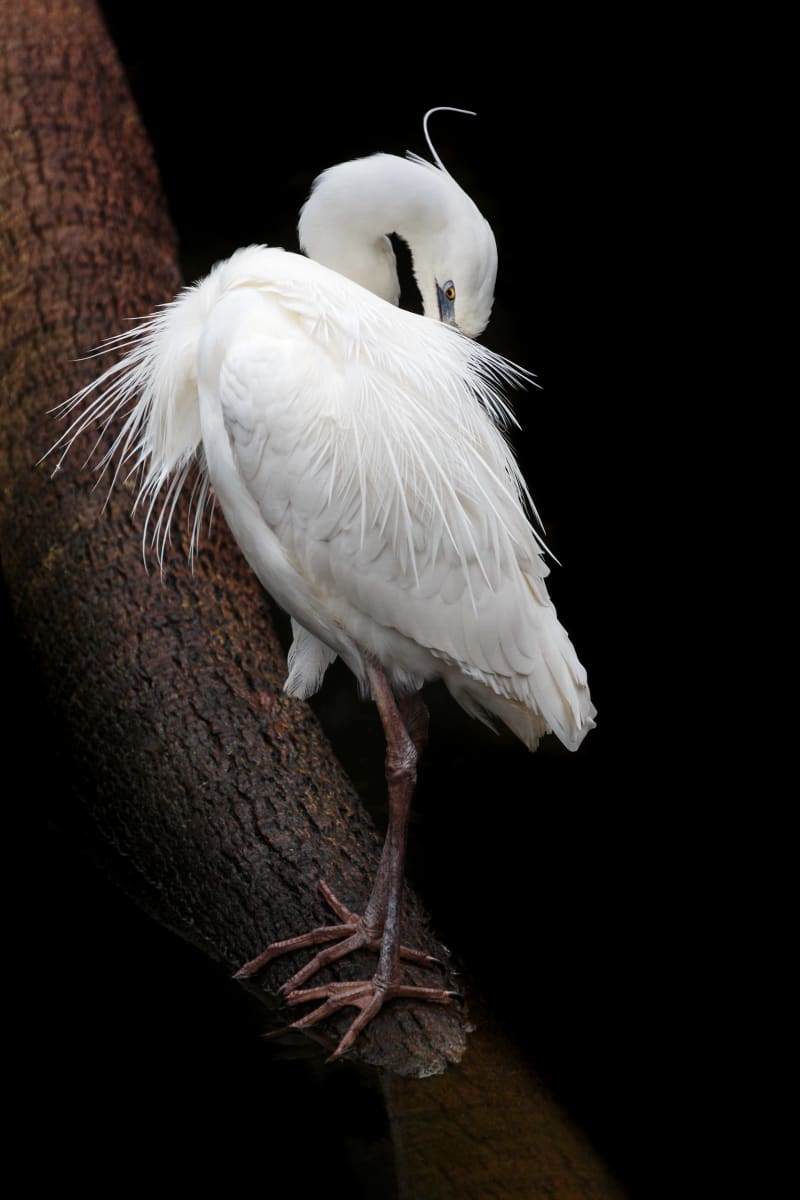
[(214, 800), (489, 1129)]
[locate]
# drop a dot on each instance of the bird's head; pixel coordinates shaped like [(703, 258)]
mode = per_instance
[(456, 266), (354, 206)]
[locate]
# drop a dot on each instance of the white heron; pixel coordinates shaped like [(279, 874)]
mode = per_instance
[(358, 455)]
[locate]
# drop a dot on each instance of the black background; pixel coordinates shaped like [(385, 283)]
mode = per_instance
[(556, 869)]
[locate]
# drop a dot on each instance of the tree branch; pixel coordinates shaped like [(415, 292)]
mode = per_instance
[(212, 798)]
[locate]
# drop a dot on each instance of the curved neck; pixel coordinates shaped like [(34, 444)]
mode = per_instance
[(353, 206)]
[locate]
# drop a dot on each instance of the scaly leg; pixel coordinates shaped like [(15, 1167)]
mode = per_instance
[(405, 727)]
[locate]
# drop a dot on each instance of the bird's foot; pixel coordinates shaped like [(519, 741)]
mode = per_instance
[(369, 996), (354, 933)]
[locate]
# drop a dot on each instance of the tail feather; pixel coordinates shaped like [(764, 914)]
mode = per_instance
[(552, 699)]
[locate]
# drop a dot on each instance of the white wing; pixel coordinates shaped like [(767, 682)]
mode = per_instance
[(384, 505)]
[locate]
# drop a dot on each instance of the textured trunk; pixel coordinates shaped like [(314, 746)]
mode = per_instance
[(209, 796), (489, 1129)]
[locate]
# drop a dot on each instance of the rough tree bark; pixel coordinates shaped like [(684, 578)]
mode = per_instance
[(217, 801), (214, 800)]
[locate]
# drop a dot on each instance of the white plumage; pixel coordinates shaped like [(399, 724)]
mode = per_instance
[(357, 452)]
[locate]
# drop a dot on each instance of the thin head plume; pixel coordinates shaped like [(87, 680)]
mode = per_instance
[(442, 108)]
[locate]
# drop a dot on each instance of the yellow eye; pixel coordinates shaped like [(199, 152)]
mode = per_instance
[(450, 293)]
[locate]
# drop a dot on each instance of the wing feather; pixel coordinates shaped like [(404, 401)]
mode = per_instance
[(375, 459)]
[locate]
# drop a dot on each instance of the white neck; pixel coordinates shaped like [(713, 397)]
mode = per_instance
[(354, 206)]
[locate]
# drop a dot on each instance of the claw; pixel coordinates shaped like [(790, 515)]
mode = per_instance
[(365, 994), (369, 996), (350, 936)]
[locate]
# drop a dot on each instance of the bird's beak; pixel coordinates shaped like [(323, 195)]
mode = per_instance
[(447, 308)]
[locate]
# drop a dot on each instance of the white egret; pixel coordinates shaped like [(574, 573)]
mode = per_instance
[(357, 453)]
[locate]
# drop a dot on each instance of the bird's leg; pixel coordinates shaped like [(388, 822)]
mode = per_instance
[(408, 719), (401, 778), (405, 724), (386, 901), (355, 932)]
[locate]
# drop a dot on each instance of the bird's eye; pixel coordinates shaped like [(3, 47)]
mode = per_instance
[(450, 292)]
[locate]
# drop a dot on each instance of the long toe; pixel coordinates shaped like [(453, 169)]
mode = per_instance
[(367, 995), (350, 934)]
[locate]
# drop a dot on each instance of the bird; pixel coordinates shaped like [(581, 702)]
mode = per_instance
[(360, 455)]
